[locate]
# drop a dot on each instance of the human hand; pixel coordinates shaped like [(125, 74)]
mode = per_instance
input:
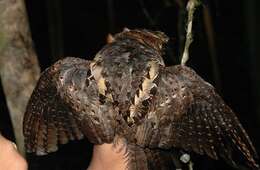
[(10, 159), (111, 156)]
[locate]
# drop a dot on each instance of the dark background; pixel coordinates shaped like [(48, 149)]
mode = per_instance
[(225, 52)]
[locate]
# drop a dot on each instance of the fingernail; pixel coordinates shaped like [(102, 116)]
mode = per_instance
[(15, 146)]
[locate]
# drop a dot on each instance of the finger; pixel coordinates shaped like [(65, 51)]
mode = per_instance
[(14, 145)]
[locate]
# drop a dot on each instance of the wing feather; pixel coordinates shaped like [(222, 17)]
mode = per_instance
[(206, 124), (65, 105), (198, 118)]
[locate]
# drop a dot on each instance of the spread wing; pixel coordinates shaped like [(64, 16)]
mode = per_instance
[(64, 106), (189, 114)]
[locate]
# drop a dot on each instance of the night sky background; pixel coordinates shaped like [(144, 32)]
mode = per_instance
[(225, 52)]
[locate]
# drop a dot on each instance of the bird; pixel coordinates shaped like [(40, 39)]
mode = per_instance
[(127, 92)]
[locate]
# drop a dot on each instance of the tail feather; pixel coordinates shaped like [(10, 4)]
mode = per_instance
[(151, 159)]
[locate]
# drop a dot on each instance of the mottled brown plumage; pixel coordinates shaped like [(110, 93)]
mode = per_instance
[(126, 92)]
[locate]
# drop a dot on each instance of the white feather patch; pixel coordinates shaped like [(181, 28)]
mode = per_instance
[(147, 85)]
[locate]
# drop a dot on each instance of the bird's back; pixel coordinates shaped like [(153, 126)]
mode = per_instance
[(120, 69)]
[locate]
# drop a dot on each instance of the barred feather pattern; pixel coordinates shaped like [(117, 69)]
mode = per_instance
[(128, 92), (204, 124), (52, 118)]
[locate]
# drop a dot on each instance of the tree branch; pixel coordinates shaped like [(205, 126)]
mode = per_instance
[(19, 68), (191, 7)]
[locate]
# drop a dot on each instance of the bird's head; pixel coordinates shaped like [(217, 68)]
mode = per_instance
[(154, 39)]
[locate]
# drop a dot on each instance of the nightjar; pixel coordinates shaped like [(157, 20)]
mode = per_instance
[(127, 92)]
